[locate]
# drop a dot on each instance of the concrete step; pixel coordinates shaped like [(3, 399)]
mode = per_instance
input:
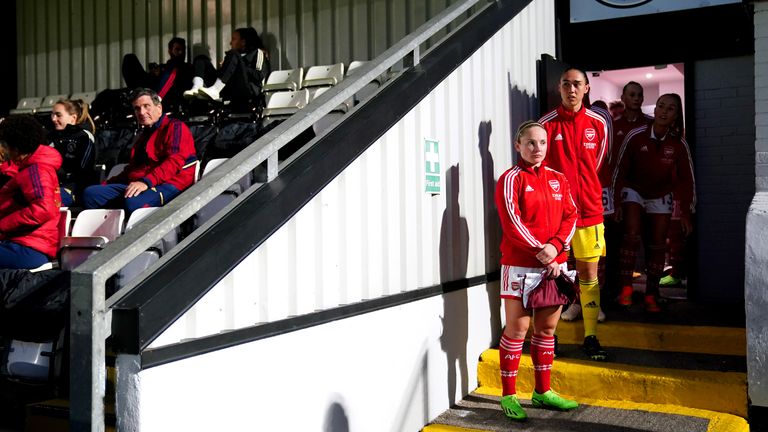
[(480, 412)]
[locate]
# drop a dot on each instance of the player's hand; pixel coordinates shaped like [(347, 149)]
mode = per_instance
[(686, 225), (547, 254), (135, 188), (553, 270)]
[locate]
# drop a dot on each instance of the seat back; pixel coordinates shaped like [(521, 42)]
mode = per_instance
[(325, 75), (286, 79), (286, 102), (65, 220), (86, 97), (213, 164), (27, 105), (106, 223), (342, 107), (49, 101), (138, 215)]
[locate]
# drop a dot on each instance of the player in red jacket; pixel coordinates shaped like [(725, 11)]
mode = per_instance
[(30, 199), (538, 219), (577, 139), (162, 164), (654, 169), (632, 116)]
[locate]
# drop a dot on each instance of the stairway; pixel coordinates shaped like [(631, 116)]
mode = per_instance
[(671, 375)]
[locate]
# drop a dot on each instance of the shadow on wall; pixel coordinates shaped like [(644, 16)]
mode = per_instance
[(336, 419), (277, 57), (454, 250), (491, 225), (416, 385), (522, 107)]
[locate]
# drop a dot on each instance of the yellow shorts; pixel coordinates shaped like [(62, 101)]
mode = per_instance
[(588, 243)]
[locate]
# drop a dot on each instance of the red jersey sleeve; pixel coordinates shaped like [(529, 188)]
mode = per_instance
[(178, 145)]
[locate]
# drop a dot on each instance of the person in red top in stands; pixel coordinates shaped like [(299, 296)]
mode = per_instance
[(577, 138), (654, 169), (162, 164), (30, 198), (538, 219)]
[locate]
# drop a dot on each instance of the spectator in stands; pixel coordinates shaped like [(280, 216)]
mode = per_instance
[(30, 199), (578, 139), (73, 138), (162, 162), (654, 169), (241, 75), (538, 219), (169, 80)]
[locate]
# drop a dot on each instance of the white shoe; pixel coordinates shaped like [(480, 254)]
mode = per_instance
[(191, 93), (573, 312), (208, 93), (601, 316)]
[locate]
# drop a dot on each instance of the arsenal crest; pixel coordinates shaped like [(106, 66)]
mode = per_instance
[(555, 185), (668, 152), (589, 134)]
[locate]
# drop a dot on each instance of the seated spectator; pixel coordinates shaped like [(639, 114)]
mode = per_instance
[(162, 162), (29, 199), (169, 80), (73, 138), (241, 75)]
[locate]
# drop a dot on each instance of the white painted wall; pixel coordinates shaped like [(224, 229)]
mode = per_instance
[(391, 370)]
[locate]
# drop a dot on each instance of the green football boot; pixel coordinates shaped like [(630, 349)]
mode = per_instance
[(512, 409), (552, 400)]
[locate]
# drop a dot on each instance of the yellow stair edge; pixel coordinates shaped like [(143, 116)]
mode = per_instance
[(718, 422), (724, 392), (660, 337)]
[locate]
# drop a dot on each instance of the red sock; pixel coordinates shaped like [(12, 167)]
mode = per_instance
[(510, 351), (542, 354)]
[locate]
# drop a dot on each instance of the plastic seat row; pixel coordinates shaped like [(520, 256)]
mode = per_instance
[(37, 105), (291, 90)]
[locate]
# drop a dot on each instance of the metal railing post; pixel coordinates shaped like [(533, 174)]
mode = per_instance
[(87, 368)]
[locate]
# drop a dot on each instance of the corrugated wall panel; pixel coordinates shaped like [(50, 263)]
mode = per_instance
[(77, 45)]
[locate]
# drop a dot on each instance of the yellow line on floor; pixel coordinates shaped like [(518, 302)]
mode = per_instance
[(709, 390), (660, 337)]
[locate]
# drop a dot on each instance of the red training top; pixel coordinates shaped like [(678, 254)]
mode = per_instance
[(577, 147), (30, 201), (535, 207), (655, 167)]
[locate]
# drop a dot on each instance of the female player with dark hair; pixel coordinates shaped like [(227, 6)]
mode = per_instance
[(538, 220), (30, 199), (654, 168), (73, 138)]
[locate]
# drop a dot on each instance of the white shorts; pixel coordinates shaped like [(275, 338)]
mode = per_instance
[(661, 205), (607, 201), (518, 282)]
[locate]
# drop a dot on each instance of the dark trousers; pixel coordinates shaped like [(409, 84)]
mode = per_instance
[(15, 256), (135, 75), (232, 73), (113, 196)]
